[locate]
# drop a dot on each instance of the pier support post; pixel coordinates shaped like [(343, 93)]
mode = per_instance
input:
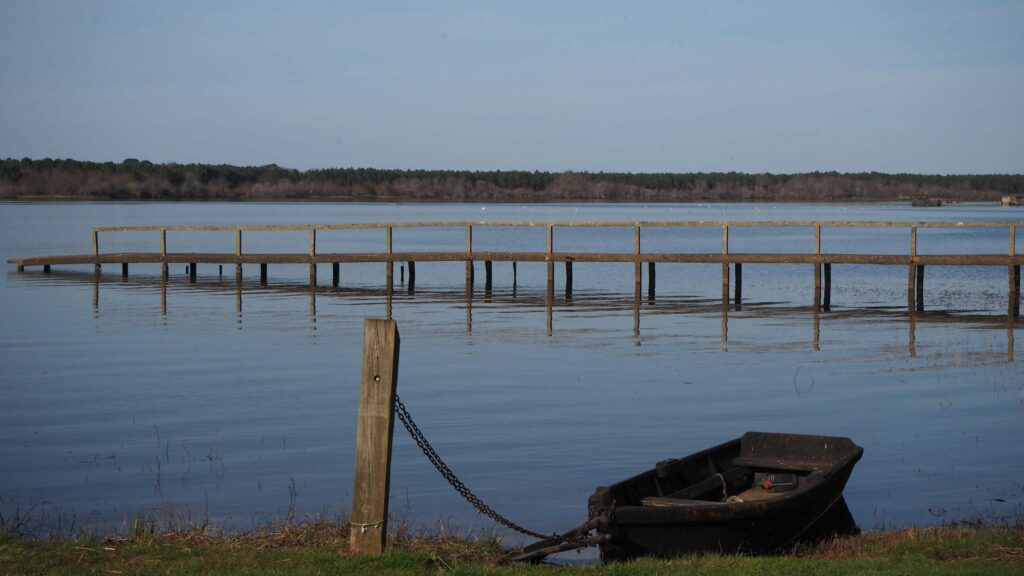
[(124, 269), (910, 288), (192, 272), (652, 282), (263, 273), (817, 287), (725, 283), (412, 276), (368, 531), (487, 276), (165, 271), (568, 279), (46, 268), (21, 267), (738, 290), (312, 275), (1014, 306), (238, 273), (515, 275), (919, 291), (827, 304), (335, 274)]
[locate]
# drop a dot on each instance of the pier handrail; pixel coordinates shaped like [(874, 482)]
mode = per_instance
[(725, 225)]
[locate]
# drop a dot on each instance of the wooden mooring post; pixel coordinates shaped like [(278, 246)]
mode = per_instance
[(412, 276), (487, 276), (263, 273), (335, 274), (192, 272), (568, 279), (368, 525)]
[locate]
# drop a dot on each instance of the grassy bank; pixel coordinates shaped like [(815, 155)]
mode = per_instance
[(321, 548)]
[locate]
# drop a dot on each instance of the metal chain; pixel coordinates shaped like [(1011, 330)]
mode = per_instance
[(446, 472)]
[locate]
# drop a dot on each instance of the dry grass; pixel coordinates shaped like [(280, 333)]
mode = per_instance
[(943, 543)]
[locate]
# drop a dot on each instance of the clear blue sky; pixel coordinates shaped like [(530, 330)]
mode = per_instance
[(927, 87)]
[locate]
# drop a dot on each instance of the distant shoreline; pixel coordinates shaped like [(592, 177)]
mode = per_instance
[(133, 180)]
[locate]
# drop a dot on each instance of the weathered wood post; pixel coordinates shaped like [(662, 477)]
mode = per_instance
[(568, 279), (97, 267), (368, 525), (1014, 277), (263, 273), (637, 280), (738, 290), (919, 295), (487, 275), (124, 269), (1014, 307), (46, 268), (817, 287), (827, 304), (238, 255), (391, 263), (335, 274), (469, 256), (551, 259), (412, 276), (725, 265), (192, 272), (910, 288), (652, 281)]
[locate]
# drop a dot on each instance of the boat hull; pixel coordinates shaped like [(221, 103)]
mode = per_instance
[(641, 522)]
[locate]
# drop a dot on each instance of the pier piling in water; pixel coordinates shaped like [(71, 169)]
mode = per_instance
[(191, 272), (124, 269), (919, 290), (263, 273), (652, 282), (335, 274), (487, 276), (827, 303), (738, 290)]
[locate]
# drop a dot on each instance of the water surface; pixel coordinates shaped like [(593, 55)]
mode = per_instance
[(125, 396)]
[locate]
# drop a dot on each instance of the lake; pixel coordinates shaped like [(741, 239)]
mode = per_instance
[(199, 401)]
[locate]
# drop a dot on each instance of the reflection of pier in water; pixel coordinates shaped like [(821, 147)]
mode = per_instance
[(547, 299)]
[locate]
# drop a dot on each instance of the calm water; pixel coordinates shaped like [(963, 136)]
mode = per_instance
[(211, 401)]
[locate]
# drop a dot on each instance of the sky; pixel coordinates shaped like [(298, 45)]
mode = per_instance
[(932, 87)]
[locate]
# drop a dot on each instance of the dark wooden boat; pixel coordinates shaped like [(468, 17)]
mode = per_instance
[(756, 494)]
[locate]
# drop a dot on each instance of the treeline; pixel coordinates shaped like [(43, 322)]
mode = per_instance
[(132, 179)]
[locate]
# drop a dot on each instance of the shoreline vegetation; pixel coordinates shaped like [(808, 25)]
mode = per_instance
[(133, 180), (321, 547)]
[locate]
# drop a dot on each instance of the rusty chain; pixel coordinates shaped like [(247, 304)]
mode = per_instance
[(446, 472)]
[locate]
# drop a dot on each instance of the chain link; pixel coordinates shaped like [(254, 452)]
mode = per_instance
[(446, 472)]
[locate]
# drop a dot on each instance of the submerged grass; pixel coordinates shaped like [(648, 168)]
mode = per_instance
[(321, 547)]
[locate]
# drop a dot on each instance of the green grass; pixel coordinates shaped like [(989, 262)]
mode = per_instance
[(322, 548)]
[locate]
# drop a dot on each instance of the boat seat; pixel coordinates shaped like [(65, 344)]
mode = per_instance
[(666, 502), (780, 465)]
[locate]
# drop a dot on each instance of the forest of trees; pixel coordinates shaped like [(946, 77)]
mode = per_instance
[(132, 179)]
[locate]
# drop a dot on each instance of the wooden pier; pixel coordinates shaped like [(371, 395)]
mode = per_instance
[(730, 261)]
